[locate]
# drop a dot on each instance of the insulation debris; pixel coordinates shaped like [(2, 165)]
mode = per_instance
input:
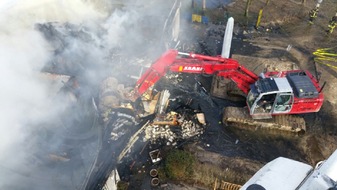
[(174, 127)]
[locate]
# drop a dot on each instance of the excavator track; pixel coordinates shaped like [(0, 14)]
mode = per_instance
[(238, 117)]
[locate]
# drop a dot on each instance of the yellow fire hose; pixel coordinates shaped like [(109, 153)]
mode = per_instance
[(326, 54)]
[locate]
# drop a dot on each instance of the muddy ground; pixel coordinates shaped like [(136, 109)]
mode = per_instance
[(284, 24)]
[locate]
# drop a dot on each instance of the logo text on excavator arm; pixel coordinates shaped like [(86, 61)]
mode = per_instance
[(192, 68)]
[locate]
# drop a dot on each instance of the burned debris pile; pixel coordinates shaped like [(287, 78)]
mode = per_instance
[(81, 53)]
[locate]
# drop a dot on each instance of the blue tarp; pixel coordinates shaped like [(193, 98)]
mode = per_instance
[(204, 19)]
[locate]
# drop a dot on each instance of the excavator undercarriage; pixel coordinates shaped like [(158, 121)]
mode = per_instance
[(239, 117)]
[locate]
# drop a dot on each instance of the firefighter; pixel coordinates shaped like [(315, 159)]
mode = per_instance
[(313, 14), (332, 24)]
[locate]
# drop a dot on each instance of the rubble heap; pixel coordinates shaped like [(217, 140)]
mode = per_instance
[(171, 132)]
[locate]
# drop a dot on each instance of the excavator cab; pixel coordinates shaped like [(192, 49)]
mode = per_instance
[(270, 96), (265, 105), (291, 92)]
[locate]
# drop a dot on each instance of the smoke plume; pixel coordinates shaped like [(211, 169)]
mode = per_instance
[(75, 39)]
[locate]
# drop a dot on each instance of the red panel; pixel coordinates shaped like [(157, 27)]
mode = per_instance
[(303, 105), (307, 105), (157, 70)]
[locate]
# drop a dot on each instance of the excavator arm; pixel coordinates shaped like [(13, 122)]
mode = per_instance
[(198, 64), (157, 70)]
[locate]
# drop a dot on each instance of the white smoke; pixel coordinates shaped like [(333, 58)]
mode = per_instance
[(27, 98)]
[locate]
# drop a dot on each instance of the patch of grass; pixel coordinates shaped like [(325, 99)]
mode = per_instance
[(185, 166), (179, 165), (205, 175)]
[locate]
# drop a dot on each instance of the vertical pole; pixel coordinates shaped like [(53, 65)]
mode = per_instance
[(304, 1), (259, 19), (227, 39), (203, 7), (247, 7)]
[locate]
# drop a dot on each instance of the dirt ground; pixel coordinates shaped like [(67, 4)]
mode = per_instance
[(284, 24)]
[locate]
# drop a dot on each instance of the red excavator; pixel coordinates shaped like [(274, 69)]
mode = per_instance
[(278, 94)]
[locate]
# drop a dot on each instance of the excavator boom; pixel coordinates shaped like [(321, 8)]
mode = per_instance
[(198, 64)]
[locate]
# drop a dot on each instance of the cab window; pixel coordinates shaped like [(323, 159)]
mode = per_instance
[(283, 103), (265, 103)]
